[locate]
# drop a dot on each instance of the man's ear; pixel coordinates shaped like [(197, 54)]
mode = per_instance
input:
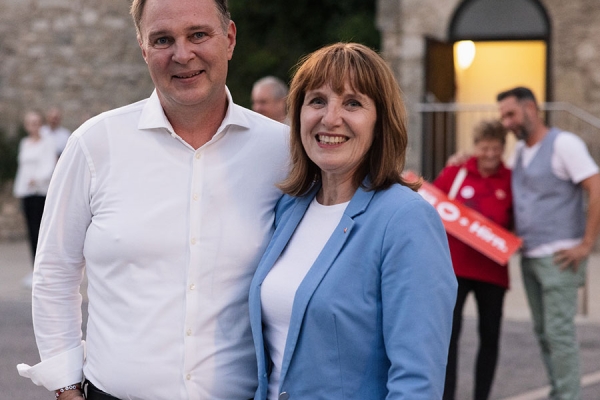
[(141, 44), (231, 36)]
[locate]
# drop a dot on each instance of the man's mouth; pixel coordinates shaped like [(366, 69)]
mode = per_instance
[(190, 75), (326, 139)]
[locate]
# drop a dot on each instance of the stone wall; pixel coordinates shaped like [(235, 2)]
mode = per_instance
[(81, 55), (576, 52)]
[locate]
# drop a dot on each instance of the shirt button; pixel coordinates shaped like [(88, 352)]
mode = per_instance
[(193, 241), (192, 286), (195, 197), (197, 156), (284, 396), (188, 377), (189, 333)]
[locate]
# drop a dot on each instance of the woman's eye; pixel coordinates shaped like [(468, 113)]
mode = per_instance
[(316, 101)]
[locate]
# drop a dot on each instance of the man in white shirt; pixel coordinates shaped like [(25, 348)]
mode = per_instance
[(168, 205), (551, 171), (53, 129)]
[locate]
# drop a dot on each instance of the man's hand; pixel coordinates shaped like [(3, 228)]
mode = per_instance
[(457, 159), (71, 395), (570, 258)]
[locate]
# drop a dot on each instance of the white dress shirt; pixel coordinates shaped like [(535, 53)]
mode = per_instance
[(36, 163), (170, 238), (59, 136)]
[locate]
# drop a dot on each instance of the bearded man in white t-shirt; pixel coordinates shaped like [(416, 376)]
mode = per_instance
[(552, 170)]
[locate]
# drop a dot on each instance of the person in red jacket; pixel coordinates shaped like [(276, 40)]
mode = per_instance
[(483, 184)]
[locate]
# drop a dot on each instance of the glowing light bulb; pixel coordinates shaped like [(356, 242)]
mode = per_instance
[(465, 53)]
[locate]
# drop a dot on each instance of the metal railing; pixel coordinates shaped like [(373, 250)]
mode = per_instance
[(447, 127)]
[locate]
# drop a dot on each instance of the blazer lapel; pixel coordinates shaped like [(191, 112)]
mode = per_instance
[(282, 236), (319, 269)]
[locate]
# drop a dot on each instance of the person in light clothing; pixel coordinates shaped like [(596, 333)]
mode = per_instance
[(36, 160), (353, 297), (552, 169), (54, 130), (167, 204)]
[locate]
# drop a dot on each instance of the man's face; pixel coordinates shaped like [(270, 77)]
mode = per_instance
[(187, 49), (515, 117), (265, 103), (53, 118)]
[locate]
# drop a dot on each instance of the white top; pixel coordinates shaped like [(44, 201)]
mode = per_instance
[(59, 136), (279, 286), (170, 238), (570, 161), (36, 164)]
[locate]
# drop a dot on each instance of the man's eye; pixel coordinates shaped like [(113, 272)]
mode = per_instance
[(199, 37), (161, 42)]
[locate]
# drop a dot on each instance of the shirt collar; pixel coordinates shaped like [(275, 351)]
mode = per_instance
[(153, 115)]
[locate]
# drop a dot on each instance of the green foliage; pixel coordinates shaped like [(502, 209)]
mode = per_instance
[(9, 149), (272, 35)]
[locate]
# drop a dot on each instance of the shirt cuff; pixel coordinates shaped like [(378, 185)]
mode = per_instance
[(59, 371)]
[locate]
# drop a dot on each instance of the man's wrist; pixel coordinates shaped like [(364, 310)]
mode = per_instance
[(71, 389)]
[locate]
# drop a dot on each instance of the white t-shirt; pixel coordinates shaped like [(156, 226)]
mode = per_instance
[(572, 161), (60, 137), (36, 164), (279, 286)]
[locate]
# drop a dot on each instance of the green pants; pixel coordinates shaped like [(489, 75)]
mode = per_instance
[(552, 297)]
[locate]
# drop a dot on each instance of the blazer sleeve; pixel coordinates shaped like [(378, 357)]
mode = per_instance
[(418, 289)]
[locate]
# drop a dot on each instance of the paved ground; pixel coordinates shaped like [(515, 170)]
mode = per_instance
[(520, 374)]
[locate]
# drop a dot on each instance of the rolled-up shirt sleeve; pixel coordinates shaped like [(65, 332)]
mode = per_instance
[(58, 272)]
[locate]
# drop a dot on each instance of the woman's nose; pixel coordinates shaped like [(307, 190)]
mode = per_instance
[(332, 115)]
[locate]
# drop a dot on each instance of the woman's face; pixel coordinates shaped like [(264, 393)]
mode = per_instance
[(337, 129), (32, 123), (489, 154)]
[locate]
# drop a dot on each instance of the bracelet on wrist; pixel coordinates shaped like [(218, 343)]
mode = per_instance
[(60, 391)]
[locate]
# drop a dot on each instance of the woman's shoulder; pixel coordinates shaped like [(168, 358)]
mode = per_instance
[(284, 206), (399, 197)]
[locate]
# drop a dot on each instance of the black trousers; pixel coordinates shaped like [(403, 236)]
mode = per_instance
[(93, 393), (489, 299), (33, 208)]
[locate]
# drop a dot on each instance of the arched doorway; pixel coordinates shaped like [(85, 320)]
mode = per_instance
[(510, 45)]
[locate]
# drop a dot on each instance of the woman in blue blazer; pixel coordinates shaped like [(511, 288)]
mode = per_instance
[(354, 295)]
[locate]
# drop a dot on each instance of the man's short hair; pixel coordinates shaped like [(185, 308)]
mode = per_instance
[(280, 89), (519, 92), (137, 9)]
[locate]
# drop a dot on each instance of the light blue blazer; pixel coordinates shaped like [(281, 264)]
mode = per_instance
[(372, 318)]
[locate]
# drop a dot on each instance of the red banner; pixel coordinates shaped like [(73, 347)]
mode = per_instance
[(469, 226)]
